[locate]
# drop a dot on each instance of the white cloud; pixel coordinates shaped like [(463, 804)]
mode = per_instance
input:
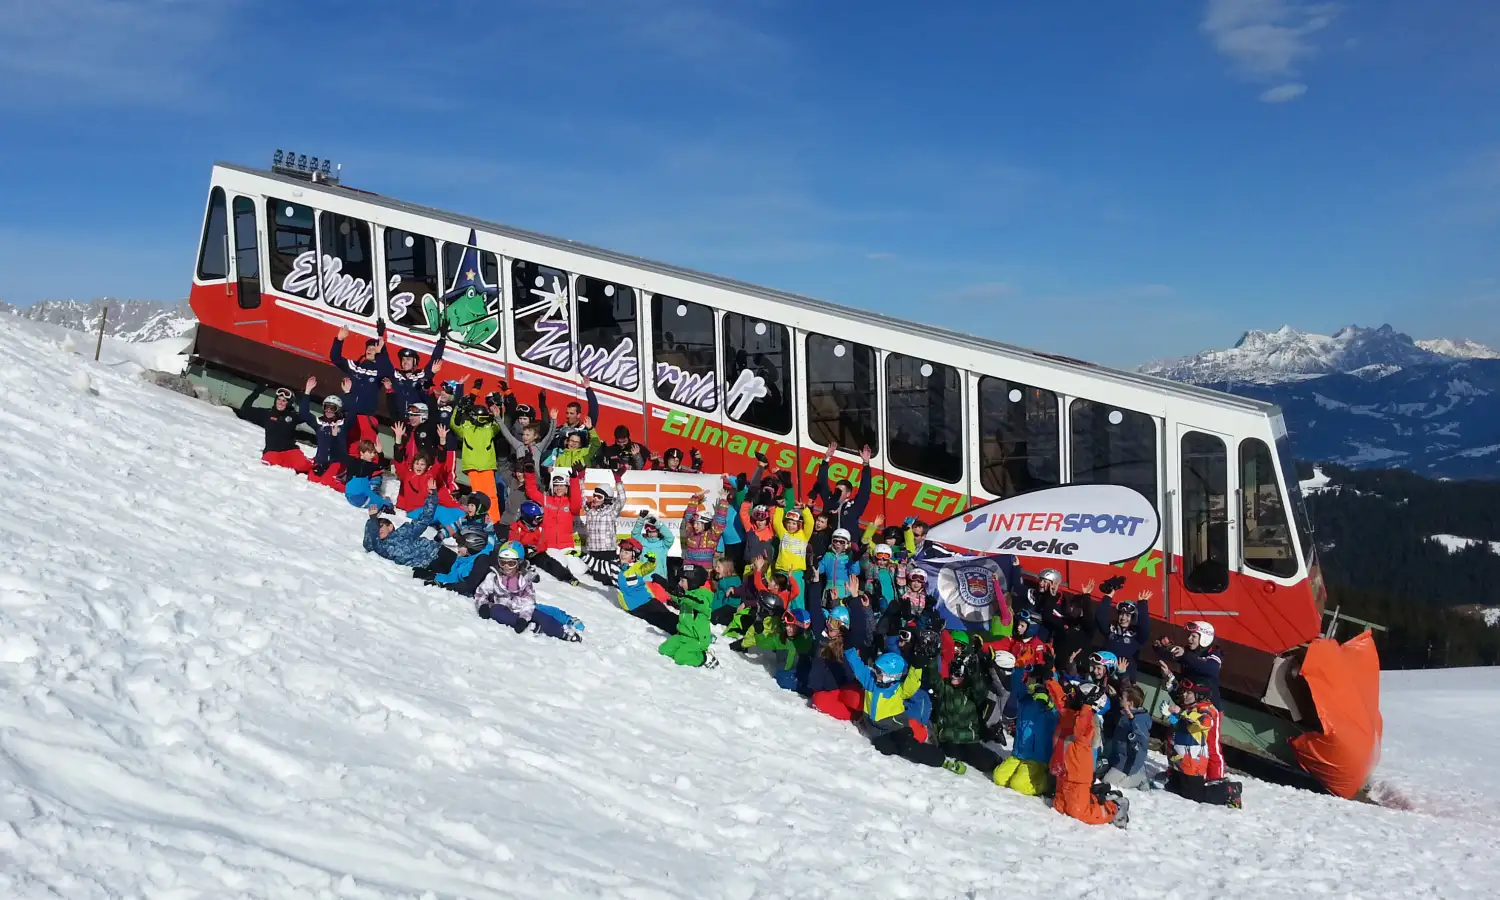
[(1283, 93), (1266, 40)]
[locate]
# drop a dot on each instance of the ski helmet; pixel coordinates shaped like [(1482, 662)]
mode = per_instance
[(473, 540), (631, 544), (480, 501), (889, 668), (1088, 693), (799, 617), (333, 400), (841, 534), (452, 387), (1183, 685), (531, 513), (705, 515), (916, 574), (1104, 658), (1203, 630), (406, 353), (418, 409), (838, 614), (771, 603), (284, 394), (653, 523), (523, 411), (695, 577), (671, 454), (793, 515), (1004, 659), (1125, 606), (481, 416), (883, 551), (1051, 576), (510, 551), (760, 512), (559, 477)]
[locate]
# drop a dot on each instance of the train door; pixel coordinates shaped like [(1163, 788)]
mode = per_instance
[(607, 346), (251, 320), (684, 409), (1202, 524)]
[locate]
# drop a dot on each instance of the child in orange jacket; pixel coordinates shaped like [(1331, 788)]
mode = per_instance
[(1075, 754)]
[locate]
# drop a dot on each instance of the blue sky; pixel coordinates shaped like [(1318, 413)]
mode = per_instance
[(1115, 181)]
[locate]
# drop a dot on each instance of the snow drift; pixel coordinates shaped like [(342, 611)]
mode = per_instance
[(208, 689)]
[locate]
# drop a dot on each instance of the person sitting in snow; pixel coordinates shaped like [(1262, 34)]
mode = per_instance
[(1201, 662), (787, 639), (960, 708), (601, 518), (364, 477), (561, 507), (636, 591), (1075, 754), (405, 545), (1193, 719), (883, 710), (280, 423), (1026, 770), (475, 551), (1128, 742), (414, 473), (333, 441), (689, 646), (507, 596), (656, 539), (728, 586)]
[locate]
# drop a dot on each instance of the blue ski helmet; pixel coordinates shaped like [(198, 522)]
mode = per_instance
[(840, 615), (889, 668), (531, 513), (799, 617), (1030, 617), (1105, 658)]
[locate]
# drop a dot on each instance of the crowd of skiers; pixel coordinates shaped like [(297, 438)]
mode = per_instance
[(1039, 692)]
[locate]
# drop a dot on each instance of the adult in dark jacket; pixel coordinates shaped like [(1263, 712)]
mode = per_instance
[(1199, 660), (844, 502), (411, 382), (366, 375), (280, 423), (1072, 629), (1125, 626)]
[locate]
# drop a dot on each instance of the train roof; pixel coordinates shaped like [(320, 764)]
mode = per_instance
[(881, 320)]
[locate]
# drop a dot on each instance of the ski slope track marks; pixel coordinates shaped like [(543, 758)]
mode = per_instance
[(207, 689)]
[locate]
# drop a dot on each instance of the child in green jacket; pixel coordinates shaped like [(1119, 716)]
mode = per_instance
[(689, 646), (789, 640)]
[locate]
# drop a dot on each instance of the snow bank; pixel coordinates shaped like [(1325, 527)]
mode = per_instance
[(1441, 733), (1453, 543), (208, 689)]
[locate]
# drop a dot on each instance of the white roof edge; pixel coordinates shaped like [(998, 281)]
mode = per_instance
[(1150, 382)]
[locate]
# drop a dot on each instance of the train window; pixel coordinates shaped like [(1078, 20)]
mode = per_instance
[(1019, 443), (1205, 513), (1287, 465), (294, 248), (606, 327), (758, 373), (1265, 539), (924, 417), (411, 280), (212, 263), (1113, 446), (469, 309), (246, 254), (348, 264), (682, 342), (842, 393), (543, 315)]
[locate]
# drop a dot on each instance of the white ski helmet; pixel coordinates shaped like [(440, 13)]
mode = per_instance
[(1004, 659), (1203, 630)]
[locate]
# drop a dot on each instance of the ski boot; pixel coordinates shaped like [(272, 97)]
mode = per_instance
[(1122, 809), (955, 766)]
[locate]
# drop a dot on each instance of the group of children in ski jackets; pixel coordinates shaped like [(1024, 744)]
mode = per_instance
[(857, 628)]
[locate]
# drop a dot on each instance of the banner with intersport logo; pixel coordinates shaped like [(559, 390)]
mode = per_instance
[(1098, 523)]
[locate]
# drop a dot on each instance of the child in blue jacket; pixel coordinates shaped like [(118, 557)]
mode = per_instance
[(1126, 746), (1027, 769)]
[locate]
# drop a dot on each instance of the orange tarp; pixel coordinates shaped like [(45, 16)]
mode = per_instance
[(1345, 684)]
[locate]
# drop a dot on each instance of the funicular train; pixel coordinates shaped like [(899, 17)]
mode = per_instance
[(695, 361)]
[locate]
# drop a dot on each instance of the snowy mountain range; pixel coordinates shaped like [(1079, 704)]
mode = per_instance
[(129, 320), (1286, 354), (1369, 397)]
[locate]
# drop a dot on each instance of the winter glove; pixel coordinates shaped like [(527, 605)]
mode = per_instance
[(484, 610), (521, 625), (738, 646)]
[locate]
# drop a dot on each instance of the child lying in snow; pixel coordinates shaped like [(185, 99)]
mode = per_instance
[(507, 596)]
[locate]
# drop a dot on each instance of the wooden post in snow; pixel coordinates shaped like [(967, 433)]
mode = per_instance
[(99, 341)]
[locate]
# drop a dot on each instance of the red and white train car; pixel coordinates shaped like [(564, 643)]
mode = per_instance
[(695, 361)]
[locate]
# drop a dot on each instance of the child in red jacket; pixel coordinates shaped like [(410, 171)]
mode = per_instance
[(560, 508), (414, 473)]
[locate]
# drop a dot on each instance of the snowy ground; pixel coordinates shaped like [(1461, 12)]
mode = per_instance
[(208, 690), (1453, 543), (1440, 739)]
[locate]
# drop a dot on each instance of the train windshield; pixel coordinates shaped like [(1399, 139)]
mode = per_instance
[(1287, 464)]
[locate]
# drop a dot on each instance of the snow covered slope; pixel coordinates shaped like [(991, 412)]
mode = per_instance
[(208, 690), (1441, 732)]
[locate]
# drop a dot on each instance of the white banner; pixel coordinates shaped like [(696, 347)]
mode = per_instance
[(665, 494), (1099, 523)]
